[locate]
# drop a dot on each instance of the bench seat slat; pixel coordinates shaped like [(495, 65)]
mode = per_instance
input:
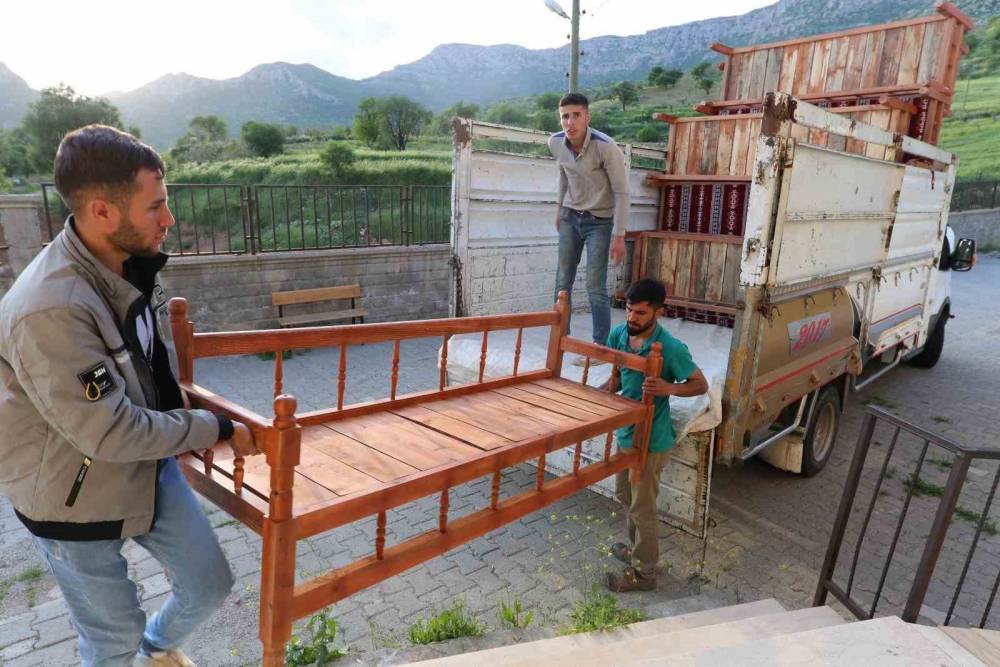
[(290, 320), (315, 294)]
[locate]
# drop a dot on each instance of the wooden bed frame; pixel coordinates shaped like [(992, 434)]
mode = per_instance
[(327, 468)]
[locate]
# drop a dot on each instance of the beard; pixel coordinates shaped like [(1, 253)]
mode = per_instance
[(636, 330), (128, 239)]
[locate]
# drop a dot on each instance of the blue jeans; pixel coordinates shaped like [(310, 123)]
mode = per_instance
[(103, 602), (576, 230)]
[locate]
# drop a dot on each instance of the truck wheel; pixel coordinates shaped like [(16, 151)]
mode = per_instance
[(822, 435), (931, 352)]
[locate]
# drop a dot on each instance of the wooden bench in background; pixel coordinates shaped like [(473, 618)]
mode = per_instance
[(319, 295)]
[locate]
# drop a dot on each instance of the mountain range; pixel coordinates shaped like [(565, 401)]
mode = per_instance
[(307, 96)]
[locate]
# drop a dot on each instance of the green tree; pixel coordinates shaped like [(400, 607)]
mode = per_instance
[(704, 75), (60, 110), (442, 123), (548, 101), (207, 128), (403, 119), (338, 157), (626, 93), (669, 78), (653, 78), (5, 184), (15, 152), (205, 141), (367, 122), (546, 120), (263, 139), (506, 113)]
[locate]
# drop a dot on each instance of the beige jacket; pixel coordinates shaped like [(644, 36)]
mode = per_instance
[(78, 398)]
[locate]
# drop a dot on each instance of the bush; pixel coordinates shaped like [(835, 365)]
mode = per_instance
[(648, 134), (262, 138), (338, 157)]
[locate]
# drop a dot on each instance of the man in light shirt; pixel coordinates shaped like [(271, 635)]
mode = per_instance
[(593, 197)]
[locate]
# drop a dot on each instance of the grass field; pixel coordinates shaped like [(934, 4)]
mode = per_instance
[(973, 130)]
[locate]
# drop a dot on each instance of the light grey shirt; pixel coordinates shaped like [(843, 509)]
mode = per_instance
[(595, 179)]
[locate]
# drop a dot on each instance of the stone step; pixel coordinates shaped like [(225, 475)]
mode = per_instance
[(984, 644), (556, 646), (883, 641), (662, 647)]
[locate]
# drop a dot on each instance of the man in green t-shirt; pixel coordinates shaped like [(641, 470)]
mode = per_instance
[(644, 304)]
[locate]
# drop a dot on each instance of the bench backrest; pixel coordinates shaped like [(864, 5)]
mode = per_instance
[(315, 294)]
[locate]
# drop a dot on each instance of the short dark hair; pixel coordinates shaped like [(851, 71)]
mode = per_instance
[(647, 290), (103, 159), (574, 98)]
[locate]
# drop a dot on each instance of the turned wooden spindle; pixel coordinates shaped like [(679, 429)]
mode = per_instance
[(238, 464), (540, 476), (607, 447), (443, 512), (341, 377), (279, 371), (482, 356), (395, 370), (207, 457), (517, 349), (495, 492), (443, 377), (586, 370), (577, 453), (380, 536)]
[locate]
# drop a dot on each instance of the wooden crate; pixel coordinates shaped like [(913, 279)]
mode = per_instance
[(916, 57), (701, 273)]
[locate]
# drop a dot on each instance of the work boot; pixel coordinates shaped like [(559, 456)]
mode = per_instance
[(630, 580), (622, 552), (171, 658)]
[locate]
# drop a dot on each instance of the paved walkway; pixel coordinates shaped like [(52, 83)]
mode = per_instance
[(768, 535)]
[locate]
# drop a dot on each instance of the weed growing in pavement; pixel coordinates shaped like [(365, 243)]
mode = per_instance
[(965, 514), (921, 487), (322, 647), (600, 611), (513, 613), (881, 401), (447, 624), (940, 463), (382, 638), (29, 576)]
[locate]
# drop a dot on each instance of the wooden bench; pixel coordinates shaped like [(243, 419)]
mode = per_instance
[(326, 468), (319, 295)]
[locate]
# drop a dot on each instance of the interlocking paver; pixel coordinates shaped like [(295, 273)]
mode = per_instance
[(768, 539)]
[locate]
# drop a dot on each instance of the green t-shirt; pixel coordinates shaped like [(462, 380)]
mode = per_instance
[(677, 367)]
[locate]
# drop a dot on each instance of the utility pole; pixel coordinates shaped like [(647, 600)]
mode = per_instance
[(574, 47)]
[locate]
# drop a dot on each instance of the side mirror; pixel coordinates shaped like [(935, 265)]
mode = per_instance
[(964, 257)]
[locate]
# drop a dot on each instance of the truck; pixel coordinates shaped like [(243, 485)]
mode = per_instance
[(800, 225)]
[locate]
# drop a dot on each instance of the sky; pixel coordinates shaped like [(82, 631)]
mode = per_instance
[(99, 46)]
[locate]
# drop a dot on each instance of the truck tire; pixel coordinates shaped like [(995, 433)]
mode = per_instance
[(931, 351), (817, 445)]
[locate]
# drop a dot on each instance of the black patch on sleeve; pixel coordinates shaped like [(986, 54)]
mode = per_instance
[(97, 382)]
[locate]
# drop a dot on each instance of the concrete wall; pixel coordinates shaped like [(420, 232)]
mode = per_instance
[(228, 292), (234, 292), (983, 225)]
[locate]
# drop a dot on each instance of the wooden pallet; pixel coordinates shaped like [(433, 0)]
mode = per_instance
[(326, 468)]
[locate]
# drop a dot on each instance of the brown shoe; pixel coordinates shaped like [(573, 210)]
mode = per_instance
[(622, 552), (629, 580)]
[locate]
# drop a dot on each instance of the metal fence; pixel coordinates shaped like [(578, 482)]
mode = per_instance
[(900, 548), (249, 219), (970, 195)]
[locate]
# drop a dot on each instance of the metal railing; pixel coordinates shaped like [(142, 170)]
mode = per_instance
[(911, 579), (214, 219), (970, 195)]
